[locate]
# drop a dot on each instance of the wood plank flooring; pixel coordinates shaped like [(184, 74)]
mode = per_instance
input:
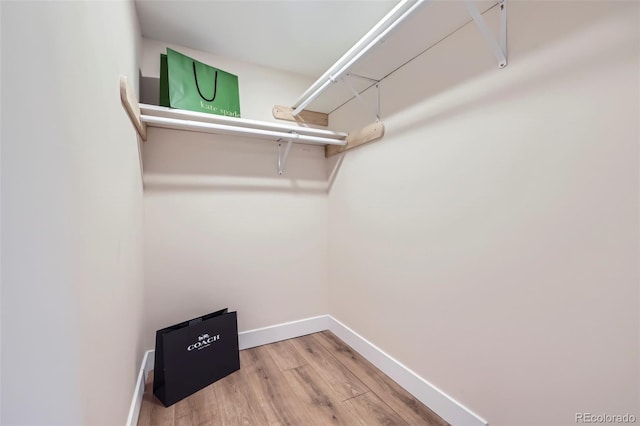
[(311, 380)]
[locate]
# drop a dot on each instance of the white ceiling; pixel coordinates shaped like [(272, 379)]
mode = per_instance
[(303, 36)]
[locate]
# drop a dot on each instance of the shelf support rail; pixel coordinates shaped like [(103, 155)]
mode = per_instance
[(498, 47), (376, 111), (283, 156)]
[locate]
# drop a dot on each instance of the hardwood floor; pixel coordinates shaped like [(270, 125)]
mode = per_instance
[(311, 380)]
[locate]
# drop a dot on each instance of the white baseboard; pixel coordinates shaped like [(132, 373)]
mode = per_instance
[(438, 401), (288, 330), (136, 402), (442, 404)]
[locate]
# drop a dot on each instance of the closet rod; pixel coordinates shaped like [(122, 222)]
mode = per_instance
[(370, 35), (158, 111), (173, 123), (338, 69)]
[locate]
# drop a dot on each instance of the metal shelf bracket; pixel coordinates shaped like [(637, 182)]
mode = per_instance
[(375, 111), (284, 155), (498, 47)]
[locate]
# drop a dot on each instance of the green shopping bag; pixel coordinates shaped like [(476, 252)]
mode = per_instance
[(188, 84)]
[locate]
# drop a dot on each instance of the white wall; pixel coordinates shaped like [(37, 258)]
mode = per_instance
[(221, 227), (490, 240), (71, 214)]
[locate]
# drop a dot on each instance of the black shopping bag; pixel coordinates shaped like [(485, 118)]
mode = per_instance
[(191, 355)]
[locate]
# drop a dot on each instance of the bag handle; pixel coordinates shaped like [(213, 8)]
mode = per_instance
[(215, 84)]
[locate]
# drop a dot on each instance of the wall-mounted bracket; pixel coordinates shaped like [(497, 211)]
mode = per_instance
[(497, 46), (131, 106), (375, 111), (283, 155), (370, 133), (304, 118)]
